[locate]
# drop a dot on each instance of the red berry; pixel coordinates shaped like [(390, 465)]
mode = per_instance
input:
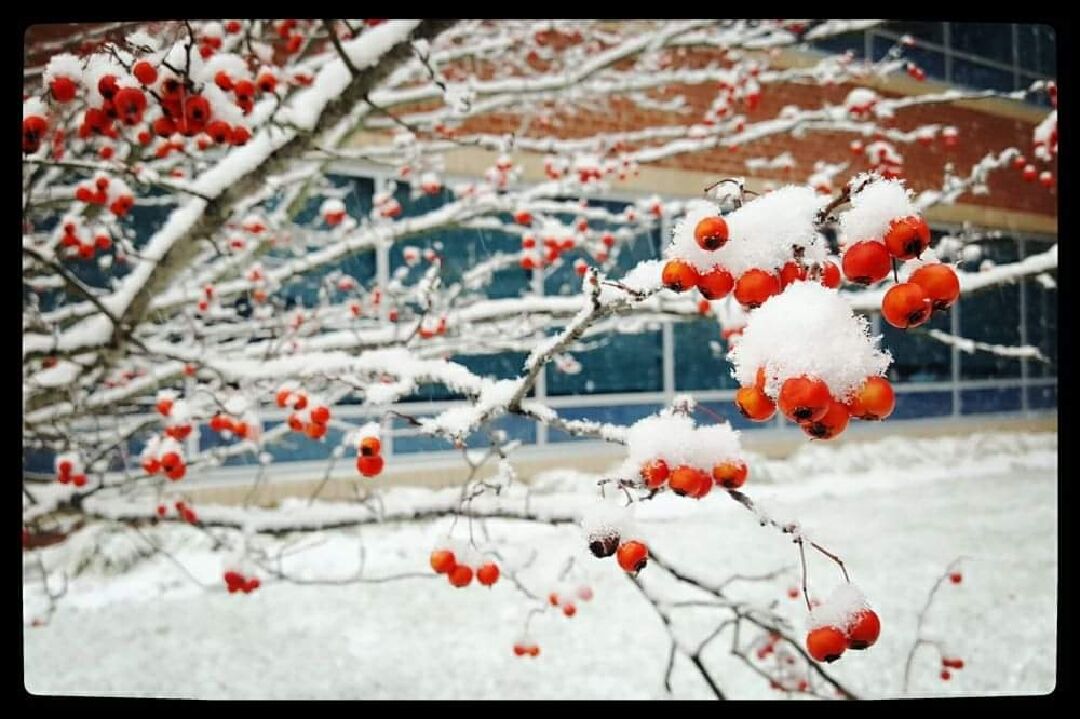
[(239, 136), (711, 233), (569, 610), (755, 286), (144, 72), (633, 556), (108, 86), (826, 644), (460, 575), (945, 675), (940, 284), (320, 415), (315, 430), (78, 480), (906, 305), (443, 561), (754, 404), (520, 650), (830, 275), (690, 481), (679, 276), (730, 474), (161, 510), (804, 399), (956, 577), (655, 473), (370, 446), (715, 284), (907, 237), (791, 272), (864, 629), (63, 89), (369, 466), (829, 425), (866, 262), (874, 400), (488, 574)]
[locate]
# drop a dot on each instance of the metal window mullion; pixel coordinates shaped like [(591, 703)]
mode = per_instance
[(540, 387), (1024, 367), (947, 50), (954, 356)]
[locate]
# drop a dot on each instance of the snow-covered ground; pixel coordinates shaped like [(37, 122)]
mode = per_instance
[(897, 510)]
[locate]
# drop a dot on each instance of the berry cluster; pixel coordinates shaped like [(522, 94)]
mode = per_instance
[(69, 469), (565, 598), (460, 568), (669, 449), (183, 509), (843, 622), (948, 663), (808, 402), (369, 461), (386, 206), (164, 456), (176, 413), (632, 554), (101, 190), (81, 241), (309, 416), (526, 646), (237, 582), (332, 212)]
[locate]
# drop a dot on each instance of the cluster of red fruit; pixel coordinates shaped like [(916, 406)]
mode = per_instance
[(224, 423), (386, 206), (753, 286), (34, 128), (311, 421), (237, 582), (632, 555), (826, 644), (808, 402), (567, 603), (688, 481), (97, 192), (526, 646), (66, 472), (443, 561), (930, 288), (948, 663), (71, 238), (187, 513), (179, 428), (368, 460), (1030, 172), (427, 330), (170, 463)]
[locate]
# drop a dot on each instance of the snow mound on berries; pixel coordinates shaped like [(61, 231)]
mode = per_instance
[(676, 440), (63, 65), (608, 516), (761, 233), (872, 209), (840, 608), (808, 330)]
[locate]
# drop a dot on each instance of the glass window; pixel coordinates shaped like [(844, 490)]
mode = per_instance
[(985, 39), (1037, 49), (624, 414), (914, 405), (992, 315), (839, 44), (917, 357), (618, 363), (929, 31), (1041, 308), (968, 73), (932, 62), (990, 400), (701, 357)]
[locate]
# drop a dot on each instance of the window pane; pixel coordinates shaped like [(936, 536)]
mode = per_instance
[(971, 74), (621, 363), (932, 62), (990, 400), (913, 405), (992, 315), (930, 31), (1041, 316), (700, 357), (990, 40), (916, 357), (625, 414)]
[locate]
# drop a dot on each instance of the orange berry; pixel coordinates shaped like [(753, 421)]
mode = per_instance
[(689, 481), (906, 305), (864, 629), (875, 400), (488, 574), (755, 286), (907, 237), (791, 272), (730, 474), (369, 466), (830, 275), (829, 425), (534, 650), (460, 576), (804, 399), (655, 473), (320, 415), (679, 276), (283, 397), (633, 556), (569, 610), (826, 644), (443, 561), (754, 404), (520, 650), (940, 284), (715, 284), (865, 263), (711, 233), (370, 446), (315, 430)]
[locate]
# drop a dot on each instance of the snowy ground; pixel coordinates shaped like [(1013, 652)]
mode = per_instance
[(898, 511)]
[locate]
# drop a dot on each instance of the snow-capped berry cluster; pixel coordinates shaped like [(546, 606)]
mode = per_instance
[(609, 530), (369, 461), (385, 205), (69, 469), (110, 192), (80, 241), (809, 353), (460, 563), (310, 415), (332, 212), (177, 418), (753, 252), (165, 456), (844, 621), (881, 227), (565, 597), (236, 420), (668, 449)]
